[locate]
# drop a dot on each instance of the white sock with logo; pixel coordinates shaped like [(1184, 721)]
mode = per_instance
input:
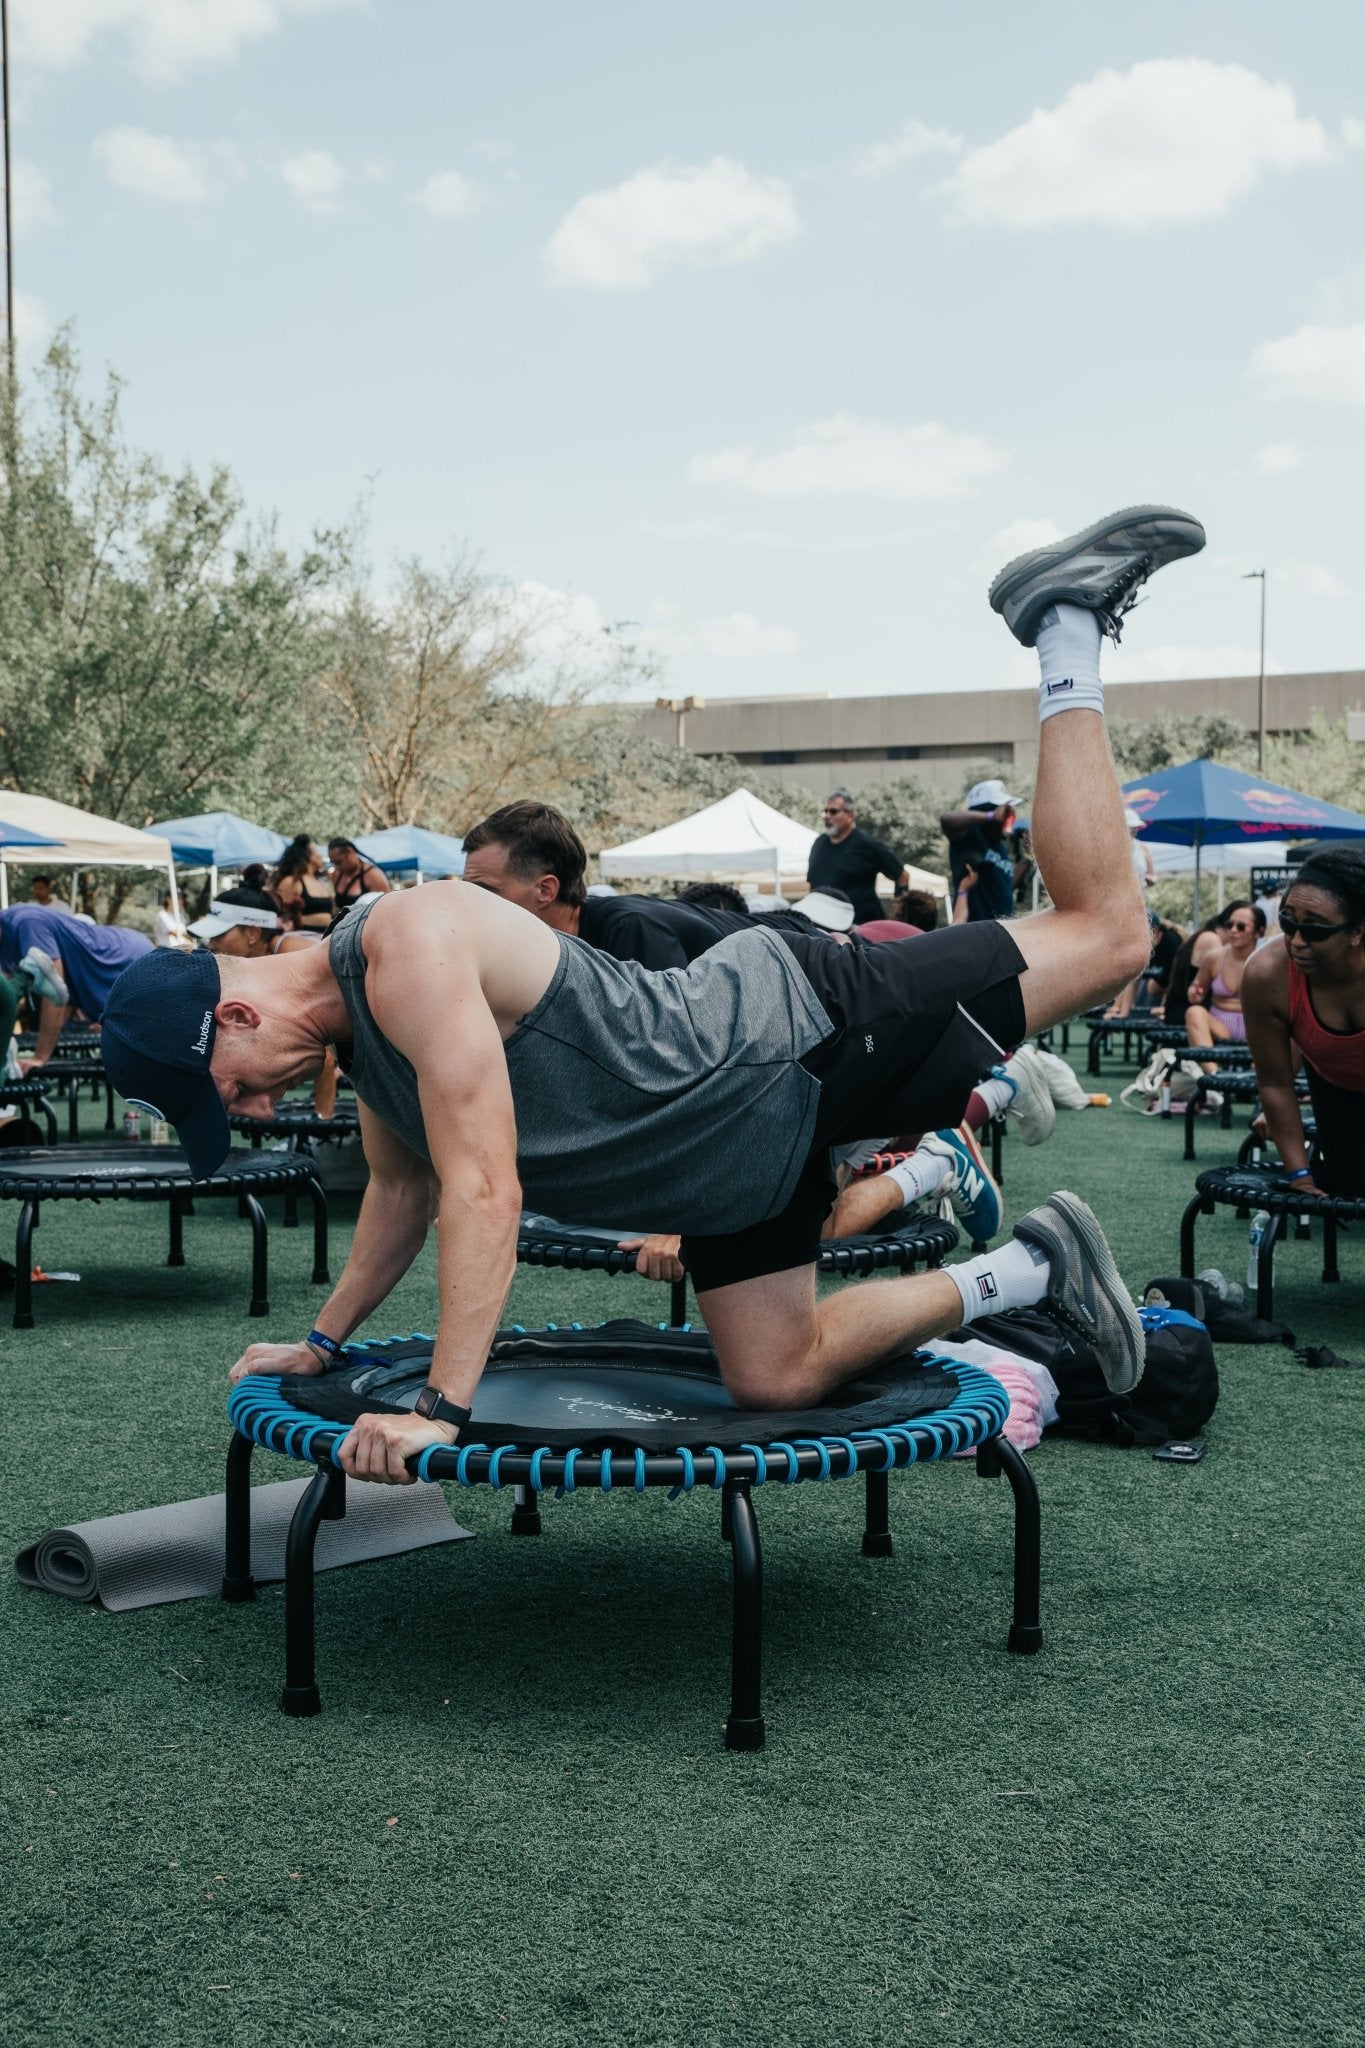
[(923, 1173), (1016, 1276), (1069, 660), (997, 1092)]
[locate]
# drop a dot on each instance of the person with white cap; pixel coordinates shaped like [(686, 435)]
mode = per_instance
[(982, 871), (245, 925)]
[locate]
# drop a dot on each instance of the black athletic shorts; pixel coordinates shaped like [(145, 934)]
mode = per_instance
[(916, 1025), (1339, 1150)]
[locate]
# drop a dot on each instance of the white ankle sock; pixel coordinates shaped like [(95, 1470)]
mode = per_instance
[(1069, 660), (997, 1093), (1014, 1277), (921, 1174)]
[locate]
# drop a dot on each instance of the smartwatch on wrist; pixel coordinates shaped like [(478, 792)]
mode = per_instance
[(432, 1404)]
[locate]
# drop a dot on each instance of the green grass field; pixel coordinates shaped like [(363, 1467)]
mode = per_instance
[(515, 1819)]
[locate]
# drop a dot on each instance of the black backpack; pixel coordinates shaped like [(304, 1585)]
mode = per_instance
[(1175, 1397)]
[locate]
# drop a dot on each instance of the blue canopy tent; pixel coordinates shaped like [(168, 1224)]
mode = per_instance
[(409, 850), (219, 839), (16, 835), (1201, 803)]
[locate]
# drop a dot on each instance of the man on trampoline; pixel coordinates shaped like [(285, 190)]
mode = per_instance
[(512, 1059)]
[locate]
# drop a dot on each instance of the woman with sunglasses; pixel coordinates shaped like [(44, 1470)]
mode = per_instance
[(1305, 998), (1214, 1015)]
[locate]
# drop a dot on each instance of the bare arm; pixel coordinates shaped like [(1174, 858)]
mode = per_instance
[(1265, 1003), (51, 1018), (395, 1214)]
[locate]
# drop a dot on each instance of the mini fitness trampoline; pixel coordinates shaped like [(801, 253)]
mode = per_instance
[(68, 1077), (153, 1173), (1248, 1188), (30, 1095), (923, 1241), (300, 1124), (622, 1407)]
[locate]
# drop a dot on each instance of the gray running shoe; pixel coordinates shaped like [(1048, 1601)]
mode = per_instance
[(41, 970), (1085, 1293), (1101, 568), (1033, 1110)]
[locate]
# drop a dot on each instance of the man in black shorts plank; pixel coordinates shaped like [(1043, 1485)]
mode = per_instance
[(512, 1062), (982, 871), (845, 857)]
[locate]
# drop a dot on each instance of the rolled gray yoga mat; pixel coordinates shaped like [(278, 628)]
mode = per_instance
[(156, 1555)]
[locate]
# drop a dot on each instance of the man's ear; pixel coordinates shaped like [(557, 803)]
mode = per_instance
[(232, 1014), (547, 888)]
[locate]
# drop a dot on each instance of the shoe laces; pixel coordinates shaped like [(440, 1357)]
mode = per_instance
[(1121, 596)]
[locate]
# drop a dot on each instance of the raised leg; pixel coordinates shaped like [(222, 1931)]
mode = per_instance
[(744, 1725), (1265, 1268), (255, 1215), (23, 1266), (877, 1527), (176, 1256), (1026, 1629), (238, 1583), (325, 1501), (525, 1511), (318, 1197)]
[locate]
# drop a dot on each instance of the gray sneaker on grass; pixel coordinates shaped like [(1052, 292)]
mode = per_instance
[(1085, 1293), (1101, 568)]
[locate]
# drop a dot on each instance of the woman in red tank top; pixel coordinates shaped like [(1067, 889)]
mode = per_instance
[(1304, 998)]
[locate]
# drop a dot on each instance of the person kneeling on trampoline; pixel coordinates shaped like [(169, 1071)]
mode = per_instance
[(515, 1059), (1303, 996)]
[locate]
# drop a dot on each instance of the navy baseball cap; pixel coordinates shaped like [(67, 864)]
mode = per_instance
[(157, 1042)]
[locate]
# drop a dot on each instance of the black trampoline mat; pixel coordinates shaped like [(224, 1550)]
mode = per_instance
[(78, 1166)]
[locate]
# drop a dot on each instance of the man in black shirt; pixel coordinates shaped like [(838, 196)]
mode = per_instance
[(982, 871), (848, 859)]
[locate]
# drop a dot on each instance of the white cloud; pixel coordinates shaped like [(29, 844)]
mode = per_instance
[(738, 636), (160, 167), (1177, 662), (1319, 364), (315, 178), (165, 38), (32, 323), (621, 238), (563, 629), (449, 195), (847, 457), (1172, 139), (1016, 539), (915, 139), (1277, 457), (33, 206), (1352, 133)]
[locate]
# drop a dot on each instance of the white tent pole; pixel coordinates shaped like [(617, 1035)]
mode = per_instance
[(420, 878), (1198, 850), (1222, 886), (75, 873), (213, 881), (4, 884), (175, 893)]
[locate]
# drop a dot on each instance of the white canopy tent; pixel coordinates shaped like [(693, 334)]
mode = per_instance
[(82, 840), (739, 839)]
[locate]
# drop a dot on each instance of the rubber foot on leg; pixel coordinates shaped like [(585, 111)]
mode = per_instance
[(299, 1701), (1025, 1639), (526, 1521), (744, 1734), (235, 1590), (879, 1545)]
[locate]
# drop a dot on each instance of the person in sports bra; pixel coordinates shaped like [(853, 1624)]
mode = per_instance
[(305, 902), (1304, 997), (352, 875), (1214, 1013)]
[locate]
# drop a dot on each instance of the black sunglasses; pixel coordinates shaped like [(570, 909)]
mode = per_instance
[(1311, 934)]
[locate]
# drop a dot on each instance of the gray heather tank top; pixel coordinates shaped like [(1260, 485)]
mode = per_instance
[(674, 1099)]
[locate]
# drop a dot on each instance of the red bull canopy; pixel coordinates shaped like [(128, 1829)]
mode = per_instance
[(1201, 803)]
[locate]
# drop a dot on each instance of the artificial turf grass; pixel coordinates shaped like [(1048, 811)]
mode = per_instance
[(573, 1853)]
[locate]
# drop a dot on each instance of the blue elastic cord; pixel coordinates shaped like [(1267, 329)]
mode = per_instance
[(464, 1454), (639, 1470), (760, 1462), (495, 1464), (689, 1478), (604, 1462), (813, 1443), (570, 1460), (717, 1457), (849, 1448), (538, 1458), (793, 1462)]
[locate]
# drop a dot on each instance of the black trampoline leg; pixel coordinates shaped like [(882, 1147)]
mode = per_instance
[(255, 1214), (108, 1105), (325, 1501), (73, 1110), (238, 1583), (318, 1197), (999, 1455), (744, 1724), (1187, 1237), (1265, 1269), (877, 1529), (525, 1511), (49, 1118), (1330, 1268), (176, 1255), (23, 1266), (677, 1302), (997, 1150), (1191, 1111)]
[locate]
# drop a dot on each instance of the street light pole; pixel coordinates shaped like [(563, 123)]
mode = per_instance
[(679, 706), (1254, 576)]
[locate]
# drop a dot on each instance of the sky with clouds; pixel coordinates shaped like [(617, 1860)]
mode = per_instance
[(769, 330)]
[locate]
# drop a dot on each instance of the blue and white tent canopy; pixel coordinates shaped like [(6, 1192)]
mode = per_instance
[(409, 850)]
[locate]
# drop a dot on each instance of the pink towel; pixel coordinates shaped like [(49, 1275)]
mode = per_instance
[(1030, 1386)]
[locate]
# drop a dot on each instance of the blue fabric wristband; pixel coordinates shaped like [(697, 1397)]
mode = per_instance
[(1300, 1173), (321, 1343)]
